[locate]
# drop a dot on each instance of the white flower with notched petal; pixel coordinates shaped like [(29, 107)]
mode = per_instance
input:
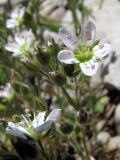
[(16, 17), (21, 45), (82, 49), (7, 91), (33, 128)]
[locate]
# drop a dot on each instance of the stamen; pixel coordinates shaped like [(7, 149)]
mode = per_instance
[(26, 122)]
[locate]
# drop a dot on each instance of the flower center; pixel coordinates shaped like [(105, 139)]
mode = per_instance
[(23, 48), (83, 53), (19, 20)]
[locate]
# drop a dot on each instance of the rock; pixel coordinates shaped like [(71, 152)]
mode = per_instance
[(114, 143), (117, 119), (58, 14), (67, 18), (100, 124), (3, 2), (103, 137), (107, 24), (92, 158), (78, 158)]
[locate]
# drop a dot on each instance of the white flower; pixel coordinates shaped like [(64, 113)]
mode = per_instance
[(33, 128), (16, 17), (7, 91), (80, 50), (21, 45)]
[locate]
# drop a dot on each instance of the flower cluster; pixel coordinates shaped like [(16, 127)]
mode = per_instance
[(83, 49), (16, 17), (21, 44)]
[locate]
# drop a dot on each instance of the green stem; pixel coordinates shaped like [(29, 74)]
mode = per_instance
[(70, 100), (78, 148), (76, 91), (43, 151), (85, 145), (44, 74)]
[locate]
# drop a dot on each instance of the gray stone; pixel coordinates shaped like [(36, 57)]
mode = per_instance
[(100, 125), (107, 22), (114, 143), (117, 119), (103, 137)]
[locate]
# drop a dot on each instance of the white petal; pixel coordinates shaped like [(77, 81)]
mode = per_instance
[(22, 129), (29, 37), (54, 115), (102, 50), (44, 127), (19, 39), (67, 56), (89, 68), (17, 54), (10, 23), (11, 124), (12, 47), (22, 11), (15, 132), (69, 39), (39, 119), (15, 13), (88, 32)]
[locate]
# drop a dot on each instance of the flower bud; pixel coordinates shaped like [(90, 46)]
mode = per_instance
[(77, 129), (25, 148), (58, 78), (42, 53), (53, 47), (82, 116), (32, 65), (70, 71), (66, 128)]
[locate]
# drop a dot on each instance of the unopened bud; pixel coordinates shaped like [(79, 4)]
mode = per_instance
[(42, 53), (66, 128), (70, 71), (82, 116), (77, 129), (53, 47), (58, 78), (32, 65)]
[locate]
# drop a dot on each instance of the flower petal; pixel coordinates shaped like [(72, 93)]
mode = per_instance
[(22, 11), (89, 68), (102, 50), (15, 13), (19, 38), (54, 115), (69, 39), (12, 47), (88, 32), (39, 119), (67, 56), (11, 129), (10, 23), (44, 127)]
